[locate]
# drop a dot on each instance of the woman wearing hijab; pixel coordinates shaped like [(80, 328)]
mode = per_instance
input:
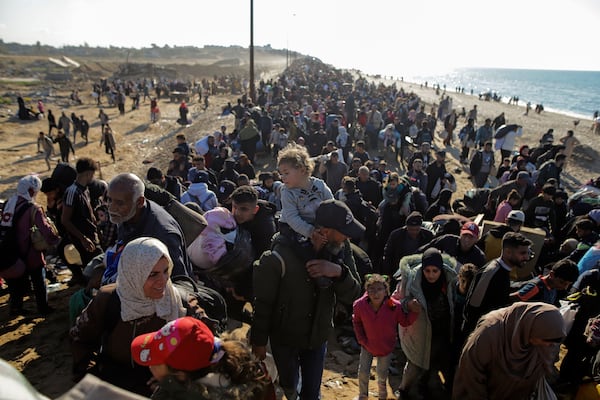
[(141, 301), (22, 212), (426, 342), (509, 352)]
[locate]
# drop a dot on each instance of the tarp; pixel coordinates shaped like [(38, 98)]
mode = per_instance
[(73, 63), (58, 62)]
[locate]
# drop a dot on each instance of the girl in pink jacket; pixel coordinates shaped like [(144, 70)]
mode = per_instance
[(375, 319)]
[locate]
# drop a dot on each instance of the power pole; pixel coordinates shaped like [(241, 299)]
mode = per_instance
[(252, 90)]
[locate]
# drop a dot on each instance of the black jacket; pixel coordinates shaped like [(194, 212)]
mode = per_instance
[(399, 245)]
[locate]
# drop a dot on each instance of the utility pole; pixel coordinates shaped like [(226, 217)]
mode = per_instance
[(252, 90)]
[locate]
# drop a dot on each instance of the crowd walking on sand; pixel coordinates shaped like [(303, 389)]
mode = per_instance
[(459, 293)]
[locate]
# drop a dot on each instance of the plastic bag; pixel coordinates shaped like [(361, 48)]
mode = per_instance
[(568, 311)]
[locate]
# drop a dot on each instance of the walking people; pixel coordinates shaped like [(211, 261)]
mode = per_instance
[(85, 128), (47, 145), (427, 287), (109, 142), (65, 146)]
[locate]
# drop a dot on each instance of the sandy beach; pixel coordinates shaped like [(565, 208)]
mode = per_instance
[(39, 346)]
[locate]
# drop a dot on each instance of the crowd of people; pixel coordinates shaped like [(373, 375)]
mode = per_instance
[(329, 239)]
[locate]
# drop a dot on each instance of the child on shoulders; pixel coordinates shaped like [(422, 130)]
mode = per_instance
[(301, 195)]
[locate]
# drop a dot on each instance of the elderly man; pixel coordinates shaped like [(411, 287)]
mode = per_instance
[(295, 293), (369, 188), (137, 216)]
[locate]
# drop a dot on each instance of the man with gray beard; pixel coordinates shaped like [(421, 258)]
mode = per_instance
[(136, 216)]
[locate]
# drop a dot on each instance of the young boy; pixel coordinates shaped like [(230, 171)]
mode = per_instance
[(545, 288)]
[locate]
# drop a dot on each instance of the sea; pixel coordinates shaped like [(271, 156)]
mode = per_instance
[(574, 93)]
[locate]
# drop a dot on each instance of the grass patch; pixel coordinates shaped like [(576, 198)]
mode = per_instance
[(5, 100), (19, 82)]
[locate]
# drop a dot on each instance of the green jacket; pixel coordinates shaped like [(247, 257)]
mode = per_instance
[(289, 308)]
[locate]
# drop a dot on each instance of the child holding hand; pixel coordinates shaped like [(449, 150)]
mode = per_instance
[(375, 319)]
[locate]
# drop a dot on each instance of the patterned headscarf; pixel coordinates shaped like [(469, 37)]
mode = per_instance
[(25, 183), (137, 261)]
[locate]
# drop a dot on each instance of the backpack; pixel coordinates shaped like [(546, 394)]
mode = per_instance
[(368, 216), (9, 244)]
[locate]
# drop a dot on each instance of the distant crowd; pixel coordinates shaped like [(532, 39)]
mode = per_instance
[(334, 238)]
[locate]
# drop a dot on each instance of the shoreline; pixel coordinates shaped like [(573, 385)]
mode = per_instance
[(435, 78), (521, 104)]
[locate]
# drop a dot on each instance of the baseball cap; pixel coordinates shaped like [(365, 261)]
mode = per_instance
[(471, 228), (199, 176), (336, 215), (185, 344), (226, 187), (414, 219), (432, 256), (516, 215)]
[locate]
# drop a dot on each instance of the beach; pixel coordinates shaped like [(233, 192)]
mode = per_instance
[(39, 347)]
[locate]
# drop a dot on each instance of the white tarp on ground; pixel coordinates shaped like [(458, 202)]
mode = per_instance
[(72, 62), (58, 62)]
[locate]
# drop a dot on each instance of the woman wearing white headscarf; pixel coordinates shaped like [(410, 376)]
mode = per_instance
[(509, 352), (141, 301), (22, 212)]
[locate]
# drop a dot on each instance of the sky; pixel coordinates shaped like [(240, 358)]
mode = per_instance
[(389, 37)]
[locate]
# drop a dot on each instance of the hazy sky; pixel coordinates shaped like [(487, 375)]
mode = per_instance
[(396, 37)]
